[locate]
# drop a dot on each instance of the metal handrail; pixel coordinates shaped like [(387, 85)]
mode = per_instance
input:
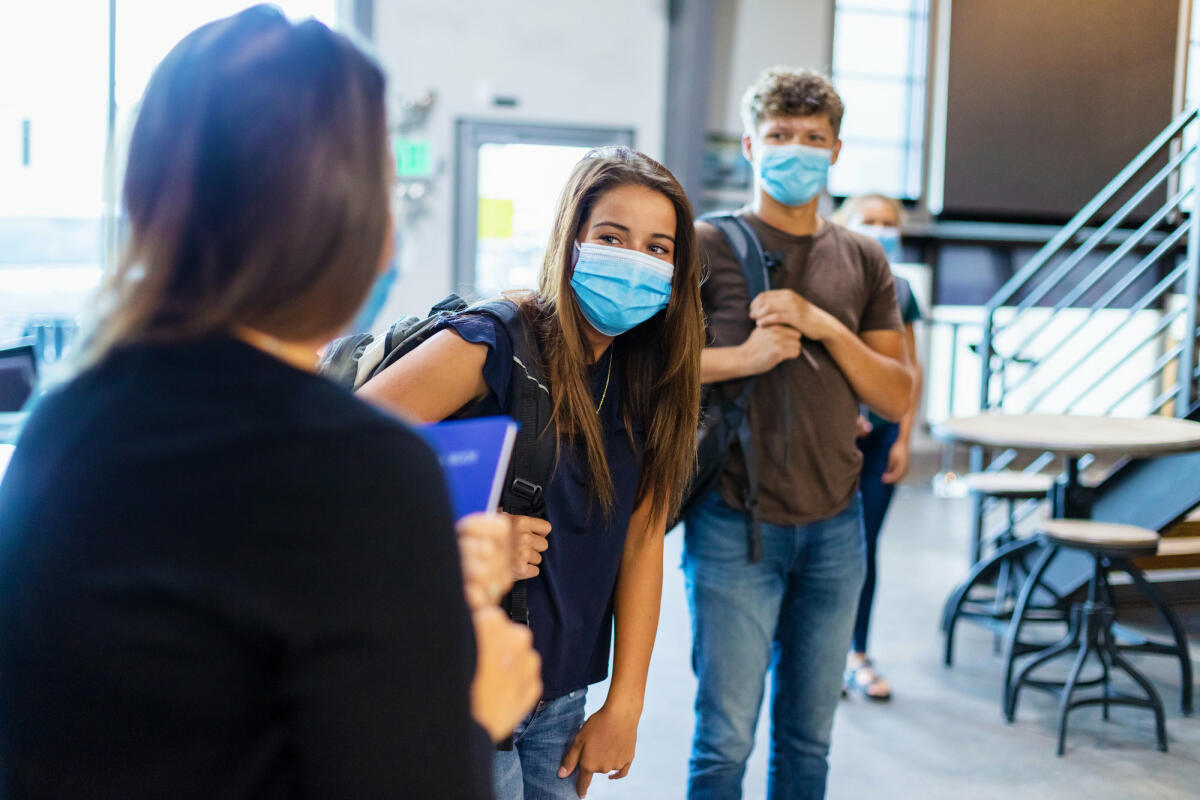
[(1100, 234), (1105, 302), (1155, 293), (1106, 265), (1150, 260), (1038, 278), (1008, 456), (1013, 284), (1159, 365), (1185, 391), (1163, 324), (1047, 282), (1162, 400)]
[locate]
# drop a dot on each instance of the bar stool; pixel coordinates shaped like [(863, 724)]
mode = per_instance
[(1011, 486), (1008, 561), (1110, 546)]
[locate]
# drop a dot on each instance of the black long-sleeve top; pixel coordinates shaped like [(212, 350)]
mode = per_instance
[(222, 577)]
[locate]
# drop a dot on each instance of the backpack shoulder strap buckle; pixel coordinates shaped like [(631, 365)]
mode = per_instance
[(530, 492)]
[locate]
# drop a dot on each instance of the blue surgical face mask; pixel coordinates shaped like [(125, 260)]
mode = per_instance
[(619, 289), (793, 173), (886, 235)]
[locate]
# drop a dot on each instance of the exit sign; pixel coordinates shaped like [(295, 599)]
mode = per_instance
[(414, 157)]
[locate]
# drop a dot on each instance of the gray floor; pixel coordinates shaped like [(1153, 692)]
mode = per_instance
[(942, 736)]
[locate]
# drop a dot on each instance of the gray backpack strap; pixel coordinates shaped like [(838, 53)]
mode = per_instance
[(351, 360), (529, 403), (536, 447), (735, 412), (746, 247), (340, 361)]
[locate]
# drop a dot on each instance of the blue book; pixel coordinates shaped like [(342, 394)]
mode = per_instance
[(474, 455)]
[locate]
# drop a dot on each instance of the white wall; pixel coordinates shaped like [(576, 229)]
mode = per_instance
[(564, 62), (755, 34)]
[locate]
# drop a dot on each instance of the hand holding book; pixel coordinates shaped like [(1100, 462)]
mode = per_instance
[(474, 456)]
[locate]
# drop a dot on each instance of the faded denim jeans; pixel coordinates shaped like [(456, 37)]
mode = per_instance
[(530, 770), (791, 613)]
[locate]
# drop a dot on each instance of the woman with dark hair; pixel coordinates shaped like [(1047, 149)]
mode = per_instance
[(618, 322), (220, 574)]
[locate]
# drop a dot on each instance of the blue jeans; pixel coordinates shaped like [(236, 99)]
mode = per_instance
[(530, 770), (876, 497), (792, 612)]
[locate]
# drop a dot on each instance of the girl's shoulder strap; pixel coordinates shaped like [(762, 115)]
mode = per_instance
[(528, 403)]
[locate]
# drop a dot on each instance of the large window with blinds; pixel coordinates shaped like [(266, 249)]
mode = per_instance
[(880, 53)]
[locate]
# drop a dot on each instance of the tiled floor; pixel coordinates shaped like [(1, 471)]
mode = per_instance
[(943, 735)]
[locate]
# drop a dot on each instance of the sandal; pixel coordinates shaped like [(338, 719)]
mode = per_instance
[(864, 681)]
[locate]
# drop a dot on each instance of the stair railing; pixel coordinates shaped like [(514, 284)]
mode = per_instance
[(1051, 268), (1012, 335)]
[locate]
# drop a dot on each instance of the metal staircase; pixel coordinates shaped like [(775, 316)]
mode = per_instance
[(1103, 320), (1020, 330)]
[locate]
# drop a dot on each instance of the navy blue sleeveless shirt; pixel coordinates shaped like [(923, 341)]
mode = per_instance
[(571, 599)]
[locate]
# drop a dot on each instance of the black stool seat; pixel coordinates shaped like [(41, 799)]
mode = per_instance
[(1090, 631)]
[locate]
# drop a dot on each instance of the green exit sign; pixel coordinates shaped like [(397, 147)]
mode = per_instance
[(414, 157)]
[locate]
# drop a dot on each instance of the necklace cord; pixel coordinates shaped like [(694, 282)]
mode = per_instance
[(607, 377)]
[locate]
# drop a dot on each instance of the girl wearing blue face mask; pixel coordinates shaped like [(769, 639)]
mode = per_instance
[(618, 321), (884, 444)]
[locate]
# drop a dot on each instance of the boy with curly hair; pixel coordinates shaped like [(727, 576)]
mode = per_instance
[(787, 603)]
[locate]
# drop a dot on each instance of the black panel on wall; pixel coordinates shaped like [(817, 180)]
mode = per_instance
[(970, 274), (1049, 99)]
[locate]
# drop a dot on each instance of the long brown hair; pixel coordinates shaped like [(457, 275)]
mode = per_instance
[(256, 189), (660, 373)]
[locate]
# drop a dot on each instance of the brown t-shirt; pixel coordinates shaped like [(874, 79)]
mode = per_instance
[(802, 417)]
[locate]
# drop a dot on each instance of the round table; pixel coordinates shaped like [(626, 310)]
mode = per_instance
[(1073, 437)]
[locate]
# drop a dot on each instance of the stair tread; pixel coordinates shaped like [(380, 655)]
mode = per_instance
[(1179, 546), (1176, 552)]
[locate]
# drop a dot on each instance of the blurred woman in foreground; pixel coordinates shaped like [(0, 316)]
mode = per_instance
[(221, 575)]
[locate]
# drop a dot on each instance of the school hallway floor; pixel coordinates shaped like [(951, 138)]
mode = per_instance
[(942, 735)]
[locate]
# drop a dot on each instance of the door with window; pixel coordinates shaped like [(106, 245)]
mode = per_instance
[(509, 180)]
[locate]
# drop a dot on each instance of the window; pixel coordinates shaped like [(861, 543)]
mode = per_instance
[(148, 29), (52, 145), (59, 188), (879, 65)]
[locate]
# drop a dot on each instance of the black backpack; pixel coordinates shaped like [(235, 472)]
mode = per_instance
[(725, 408), (352, 360)]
